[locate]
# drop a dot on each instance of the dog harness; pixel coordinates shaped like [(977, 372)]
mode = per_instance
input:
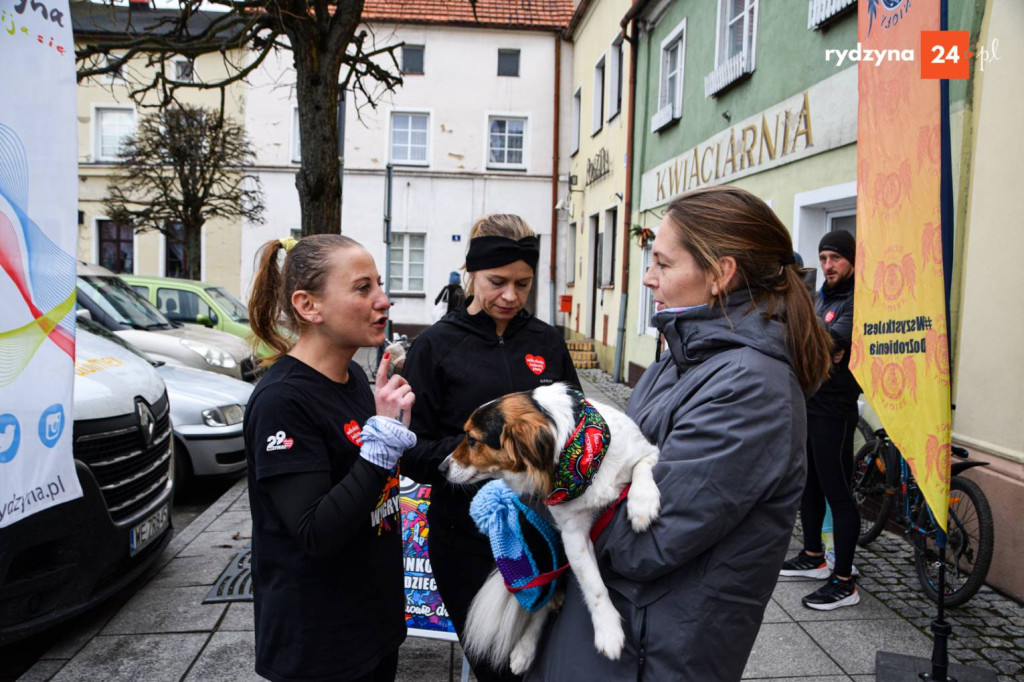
[(582, 454)]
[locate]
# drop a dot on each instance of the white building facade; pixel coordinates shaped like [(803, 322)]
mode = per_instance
[(470, 132)]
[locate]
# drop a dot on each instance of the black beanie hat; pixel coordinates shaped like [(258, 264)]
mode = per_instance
[(840, 241)]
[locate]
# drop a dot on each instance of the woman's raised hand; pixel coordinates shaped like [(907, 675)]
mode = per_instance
[(394, 396)]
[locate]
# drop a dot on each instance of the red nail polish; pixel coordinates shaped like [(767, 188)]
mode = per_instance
[(387, 356)]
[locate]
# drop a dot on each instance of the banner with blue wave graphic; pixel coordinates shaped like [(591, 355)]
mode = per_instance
[(38, 233)]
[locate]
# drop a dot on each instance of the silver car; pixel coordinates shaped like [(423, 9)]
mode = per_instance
[(107, 299), (207, 411)]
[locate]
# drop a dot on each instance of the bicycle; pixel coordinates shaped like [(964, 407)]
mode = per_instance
[(885, 492)]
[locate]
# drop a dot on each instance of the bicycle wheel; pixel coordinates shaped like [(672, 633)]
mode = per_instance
[(872, 478), (862, 435), (969, 546)]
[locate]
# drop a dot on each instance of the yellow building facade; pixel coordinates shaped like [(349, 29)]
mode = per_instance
[(106, 115), (597, 109)]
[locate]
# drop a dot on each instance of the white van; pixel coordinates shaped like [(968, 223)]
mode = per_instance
[(66, 559)]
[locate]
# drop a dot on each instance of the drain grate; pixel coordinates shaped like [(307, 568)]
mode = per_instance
[(235, 582)]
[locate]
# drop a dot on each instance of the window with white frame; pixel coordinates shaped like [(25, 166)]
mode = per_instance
[(570, 256), (577, 105), (412, 59), (296, 137), (408, 258), (505, 146), (736, 28), (735, 46), (646, 296), (598, 97), (670, 85), (409, 138), (616, 56), (608, 248), (113, 127), (184, 70)]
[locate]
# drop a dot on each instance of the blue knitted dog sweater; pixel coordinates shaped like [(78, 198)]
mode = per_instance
[(524, 544)]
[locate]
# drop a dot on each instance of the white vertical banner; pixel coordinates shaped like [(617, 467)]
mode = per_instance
[(38, 234)]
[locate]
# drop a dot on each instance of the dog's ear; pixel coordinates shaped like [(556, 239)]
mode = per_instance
[(529, 440)]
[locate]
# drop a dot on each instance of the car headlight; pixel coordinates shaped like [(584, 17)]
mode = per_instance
[(225, 415), (213, 356)]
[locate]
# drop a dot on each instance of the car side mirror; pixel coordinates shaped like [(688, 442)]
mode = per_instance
[(205, 321), (83, 314)]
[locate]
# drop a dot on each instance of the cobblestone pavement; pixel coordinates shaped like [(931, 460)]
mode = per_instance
[(988, 631)]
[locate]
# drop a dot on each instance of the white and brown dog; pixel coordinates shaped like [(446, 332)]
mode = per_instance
[(551, 444)]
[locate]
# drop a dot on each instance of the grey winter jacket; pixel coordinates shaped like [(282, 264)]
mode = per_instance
[(728, 413)]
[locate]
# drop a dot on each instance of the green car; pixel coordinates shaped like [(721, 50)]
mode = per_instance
[(192, 302)]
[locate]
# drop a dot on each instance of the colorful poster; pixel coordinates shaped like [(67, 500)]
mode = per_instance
[(900, 352), (425, 614), (38, 235)]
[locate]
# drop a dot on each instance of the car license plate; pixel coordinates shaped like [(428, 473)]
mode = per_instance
[(148, 530)]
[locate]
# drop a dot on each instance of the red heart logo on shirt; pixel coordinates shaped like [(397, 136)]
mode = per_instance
[(288, 443), (354, 433), (535, 363), (830, 315)]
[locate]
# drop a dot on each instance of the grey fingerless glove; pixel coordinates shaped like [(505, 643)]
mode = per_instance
[(384, 441)]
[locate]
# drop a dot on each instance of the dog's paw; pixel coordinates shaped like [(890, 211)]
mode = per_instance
[(522, 657), (642, 507), (609, 639)]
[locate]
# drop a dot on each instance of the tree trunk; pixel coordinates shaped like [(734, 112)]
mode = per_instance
[(318, 48), (193, 251)]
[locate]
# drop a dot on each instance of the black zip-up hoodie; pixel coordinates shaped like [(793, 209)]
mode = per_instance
[(454, 367), (837, 397)]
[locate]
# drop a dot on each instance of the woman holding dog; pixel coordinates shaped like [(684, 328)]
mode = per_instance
[(489, 346), (726, 407), (322, 453)]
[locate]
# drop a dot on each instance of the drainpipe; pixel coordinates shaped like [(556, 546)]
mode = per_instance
[(553, 270), (618, 369)]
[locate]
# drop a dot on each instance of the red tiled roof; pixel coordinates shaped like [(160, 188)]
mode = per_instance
[(529, 14)]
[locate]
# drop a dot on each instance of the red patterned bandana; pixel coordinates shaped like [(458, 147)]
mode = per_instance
[(582, 454)]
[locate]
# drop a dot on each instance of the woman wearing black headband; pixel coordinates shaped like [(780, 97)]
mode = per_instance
[(486, 348)]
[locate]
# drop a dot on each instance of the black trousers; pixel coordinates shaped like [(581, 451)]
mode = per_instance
[(459, 576), (386, 670), (829, 472)]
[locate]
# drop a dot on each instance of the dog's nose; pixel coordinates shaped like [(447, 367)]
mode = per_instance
[(443, 467)]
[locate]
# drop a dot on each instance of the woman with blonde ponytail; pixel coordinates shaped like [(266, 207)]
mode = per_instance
[(726, 406), (322, 450)]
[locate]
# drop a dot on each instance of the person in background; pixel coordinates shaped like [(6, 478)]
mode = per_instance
[(831, 420), (451, 293), (322, 453), (726, 407), (484, 349)]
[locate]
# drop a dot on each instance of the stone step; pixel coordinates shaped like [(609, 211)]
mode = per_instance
[(585, 345)]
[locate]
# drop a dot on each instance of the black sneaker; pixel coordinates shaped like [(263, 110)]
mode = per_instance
[(834, 594), (806, 566)]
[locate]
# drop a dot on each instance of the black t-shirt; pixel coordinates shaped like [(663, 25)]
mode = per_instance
[(329, 610)]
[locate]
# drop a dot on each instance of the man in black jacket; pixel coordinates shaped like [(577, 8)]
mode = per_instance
[(831, 419)]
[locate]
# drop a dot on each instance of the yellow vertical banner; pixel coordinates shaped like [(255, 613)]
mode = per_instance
[(900, 351)]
